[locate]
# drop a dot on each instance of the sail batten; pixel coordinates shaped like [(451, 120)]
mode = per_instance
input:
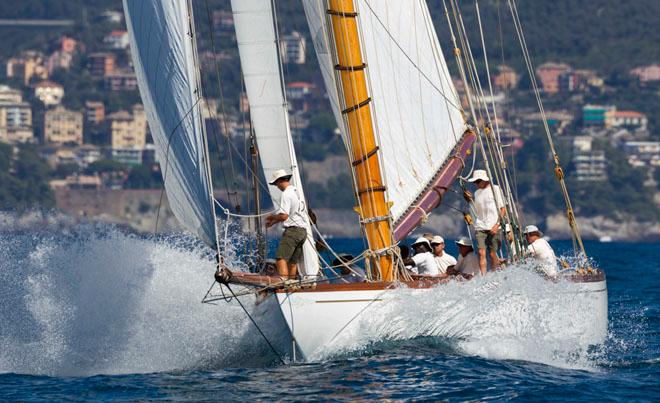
[(167, 77), (259, 53), (417, 112)]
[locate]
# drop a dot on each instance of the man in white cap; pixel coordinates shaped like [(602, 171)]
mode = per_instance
[(422, 262), (442, 258), (292, 212), (468, 262), (487, 198), (541, 250)]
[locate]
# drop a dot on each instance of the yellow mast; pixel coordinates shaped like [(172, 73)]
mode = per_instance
[(373, 208)]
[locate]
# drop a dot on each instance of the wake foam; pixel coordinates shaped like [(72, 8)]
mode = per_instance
[(514, 314), (96, 300)]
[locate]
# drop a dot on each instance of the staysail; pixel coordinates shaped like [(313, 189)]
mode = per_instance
[(417, 112), (164, 58), (259, 54)]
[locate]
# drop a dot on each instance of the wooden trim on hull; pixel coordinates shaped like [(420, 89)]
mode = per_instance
[(277, 285)]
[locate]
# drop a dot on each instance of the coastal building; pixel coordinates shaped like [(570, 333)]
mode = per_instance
[(101, 64), (596, 115), (628, 119), (223, 23), (49, 92), (506, 78), (292, 48), (15, 117), (647, 73), (568, 82), (643, 153), (117, 40), (59, 60), (121, 80), (549, 74), (298, 95), (62, 126), (129, 135), (590, 165), (94, 112), (112, 16), (77, 182), (30, 64)]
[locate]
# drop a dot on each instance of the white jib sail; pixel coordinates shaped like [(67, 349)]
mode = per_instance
[(165, 66), (259, 53), (417, 112)]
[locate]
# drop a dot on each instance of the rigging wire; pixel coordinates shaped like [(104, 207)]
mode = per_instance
[(224, 114), (247, 313)]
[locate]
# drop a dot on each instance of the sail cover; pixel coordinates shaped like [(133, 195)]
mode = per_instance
[(165, 65), (417, 112), (259, 53)]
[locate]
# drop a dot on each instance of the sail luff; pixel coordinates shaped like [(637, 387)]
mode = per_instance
[(373, 208), (164, 59), (256, 34)]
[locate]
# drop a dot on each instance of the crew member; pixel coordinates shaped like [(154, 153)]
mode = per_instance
[(541, 250), (292, 212), (468, 262), (443, 259), (422, 262), (486, 199)]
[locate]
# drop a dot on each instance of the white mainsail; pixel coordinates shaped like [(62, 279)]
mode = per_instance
[(164, 58), (259, 53), (417, 112)]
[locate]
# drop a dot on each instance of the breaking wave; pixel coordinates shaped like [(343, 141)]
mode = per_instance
[(93, 299)]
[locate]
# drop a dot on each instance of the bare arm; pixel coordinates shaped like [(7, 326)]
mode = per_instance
[(275, 218)]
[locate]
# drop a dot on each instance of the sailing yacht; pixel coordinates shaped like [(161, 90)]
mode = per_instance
[(407, 136)]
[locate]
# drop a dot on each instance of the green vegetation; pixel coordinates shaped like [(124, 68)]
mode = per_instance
[(23, 179)]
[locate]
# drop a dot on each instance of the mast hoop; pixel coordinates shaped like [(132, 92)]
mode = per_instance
[(372, 189), (365, 157), (350, 68), (342, 13), (356, 107)]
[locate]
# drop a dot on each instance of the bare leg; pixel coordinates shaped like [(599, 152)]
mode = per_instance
[(482, 261), (293, 271), (282, 268), (494, 259)]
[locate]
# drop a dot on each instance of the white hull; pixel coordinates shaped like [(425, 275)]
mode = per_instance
[(329, 322)]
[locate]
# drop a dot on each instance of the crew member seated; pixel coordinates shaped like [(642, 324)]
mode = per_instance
[(468, 261), (541, 250), (423, 262), (347, 272), (442, 258)]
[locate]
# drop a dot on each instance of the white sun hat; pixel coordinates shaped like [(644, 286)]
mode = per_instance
[(437, 239), (464, 241), (479, 174), (532, 228), (279, 174), (421, 240)]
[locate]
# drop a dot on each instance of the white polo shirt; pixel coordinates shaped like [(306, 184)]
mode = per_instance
[(425, 264), (542, 251), (291, 204), (485, 206), (444, 262)]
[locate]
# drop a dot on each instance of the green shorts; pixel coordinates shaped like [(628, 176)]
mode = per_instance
[(486, 240), (291, 244)]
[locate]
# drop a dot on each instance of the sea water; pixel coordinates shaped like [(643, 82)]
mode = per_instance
[(95, 313)]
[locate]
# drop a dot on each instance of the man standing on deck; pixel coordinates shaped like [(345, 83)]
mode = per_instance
[(487, 198), (293, 214)]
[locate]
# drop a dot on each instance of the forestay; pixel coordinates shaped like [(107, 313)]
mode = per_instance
[(417, 112), (164, 58), (256, 35)]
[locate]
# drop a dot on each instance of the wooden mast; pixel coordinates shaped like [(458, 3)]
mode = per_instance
[(373, 207)]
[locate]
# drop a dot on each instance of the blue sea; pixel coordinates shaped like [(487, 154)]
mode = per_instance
[(95, 313)]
